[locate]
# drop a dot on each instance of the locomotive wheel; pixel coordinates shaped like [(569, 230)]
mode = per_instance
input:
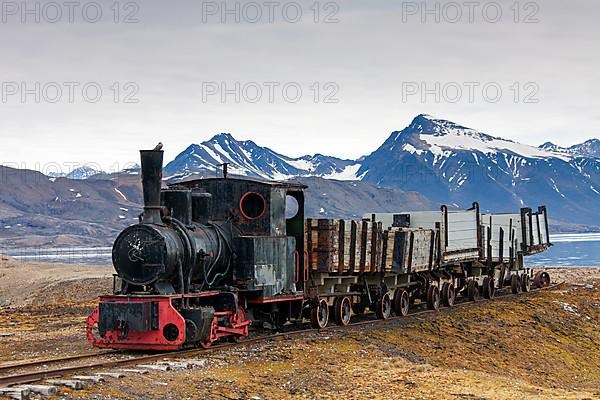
[(240, 317), (525, 283), (342, 310), (205, 330), (433, 298), (515, 284), (448, 294), (319, 315), (488, 287), (401, 302), (238, 339), (383, 309), (473, 290)]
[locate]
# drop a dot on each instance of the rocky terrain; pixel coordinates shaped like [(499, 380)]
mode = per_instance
[(541, 346), (43, 307)]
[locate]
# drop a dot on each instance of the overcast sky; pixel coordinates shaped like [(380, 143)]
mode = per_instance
[(368, 61)]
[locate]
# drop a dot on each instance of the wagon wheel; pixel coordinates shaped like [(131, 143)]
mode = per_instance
[(488, 287), (319, 315), (433, 297), (358, 308), (525, 283), (541, 279), (342, 310), (502, 277), (473, 290), (383, 308), (537, 279), (515, 284), (448, 294), (545, 281), (401, 302)]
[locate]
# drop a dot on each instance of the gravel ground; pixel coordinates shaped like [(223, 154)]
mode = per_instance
[(25, 284), (45, 307)]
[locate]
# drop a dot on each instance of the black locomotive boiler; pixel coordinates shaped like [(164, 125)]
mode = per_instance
[(207, 258)]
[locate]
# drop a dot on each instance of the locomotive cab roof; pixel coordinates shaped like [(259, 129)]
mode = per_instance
[(199, 183)]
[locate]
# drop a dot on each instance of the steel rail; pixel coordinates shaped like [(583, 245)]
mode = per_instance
[(44, 362)]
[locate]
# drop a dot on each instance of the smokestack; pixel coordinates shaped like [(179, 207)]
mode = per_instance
[(152, 162)]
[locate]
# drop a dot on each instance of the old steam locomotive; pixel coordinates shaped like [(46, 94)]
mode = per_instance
[(210, 257)]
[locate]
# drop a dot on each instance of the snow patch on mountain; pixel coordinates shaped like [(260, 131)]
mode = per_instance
[(589, 148), (465, 141), (441, 135), (347, 174)]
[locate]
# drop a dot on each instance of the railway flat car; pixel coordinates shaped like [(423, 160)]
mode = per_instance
[(458, 230)]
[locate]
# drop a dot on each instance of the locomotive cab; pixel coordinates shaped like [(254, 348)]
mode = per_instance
[(268, 221)]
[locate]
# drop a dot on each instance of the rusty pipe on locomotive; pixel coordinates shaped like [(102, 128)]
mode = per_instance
[(174, 248)]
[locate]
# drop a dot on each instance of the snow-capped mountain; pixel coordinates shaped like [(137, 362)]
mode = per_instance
[(80, 173), (589, 148), (246, 158), (454, 164), (83, 172), (87, 172)]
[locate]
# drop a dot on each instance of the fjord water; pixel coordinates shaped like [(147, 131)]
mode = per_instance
[(581, 249)]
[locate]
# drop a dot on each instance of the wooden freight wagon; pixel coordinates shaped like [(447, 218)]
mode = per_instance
[(343, 246), (535, 235), (408, 250), (507, 235), (500, 237), (459, 232)]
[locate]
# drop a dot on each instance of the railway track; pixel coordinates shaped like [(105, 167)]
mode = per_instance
[(41, 363), (58, 372)]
